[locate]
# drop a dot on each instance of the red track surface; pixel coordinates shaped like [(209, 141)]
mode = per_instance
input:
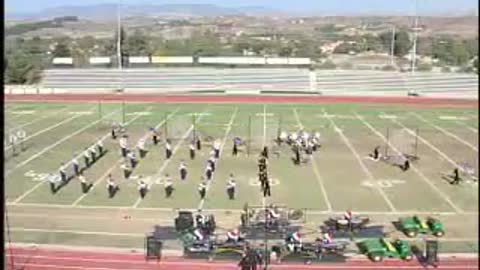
[(419, 101), (40, 259)]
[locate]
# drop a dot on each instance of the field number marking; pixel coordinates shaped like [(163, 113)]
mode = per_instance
[(383, 183)]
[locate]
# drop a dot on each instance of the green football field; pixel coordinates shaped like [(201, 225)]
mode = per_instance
[(336, 178)]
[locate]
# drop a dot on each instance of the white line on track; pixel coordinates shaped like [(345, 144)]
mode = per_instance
[(446, 132), (48, 148), (315, 168), (222, 146), (77, 201), (47, 129), (360, 161), (422, 176), (165, 163)]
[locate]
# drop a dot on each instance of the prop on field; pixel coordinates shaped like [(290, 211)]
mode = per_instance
[(468, 171), (347, 223), (279, 218), (15, 143), (379, 248), (401, 145), (313, 250), (412, 226)]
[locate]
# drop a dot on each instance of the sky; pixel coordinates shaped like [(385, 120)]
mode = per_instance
[(321, 7)]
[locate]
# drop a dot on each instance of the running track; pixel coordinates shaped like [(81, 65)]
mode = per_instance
[(41, 259), (418, 101)]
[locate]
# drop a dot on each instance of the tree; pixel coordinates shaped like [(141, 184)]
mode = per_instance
[(21, 69), (61, 50), (402, 43), (285, 51)]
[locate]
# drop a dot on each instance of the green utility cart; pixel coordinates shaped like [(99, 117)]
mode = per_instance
[(412, 226), (379, 248)]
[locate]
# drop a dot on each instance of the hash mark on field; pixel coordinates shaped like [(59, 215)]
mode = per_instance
[(40, 183), (315, 168), (387, 116), (446, 132), (165, 163), (422, 176), (360, 161), (23, 112), (77, 201), (48, 148), (230, 123), (47, 129), (455, 118)]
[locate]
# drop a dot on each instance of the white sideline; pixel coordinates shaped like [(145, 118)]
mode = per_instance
[(165, 163), (173, 210), (120, 159), (48, 148), (315, 168), (234, 114), (360, 161), (446, 132), (422, 176)]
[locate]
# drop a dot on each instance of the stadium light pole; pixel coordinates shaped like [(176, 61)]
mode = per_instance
[(392, 46), (415, 29)]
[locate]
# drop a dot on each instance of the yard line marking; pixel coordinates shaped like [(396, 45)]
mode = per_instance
[(315, 168), (446, 132), (84, 217), (443, 155), (419, 173), (41, 182), (165, 163), (360, 161), (39, 119), (467, 126), (48, 148), (47, 129), (77, 201), (232, 118)]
